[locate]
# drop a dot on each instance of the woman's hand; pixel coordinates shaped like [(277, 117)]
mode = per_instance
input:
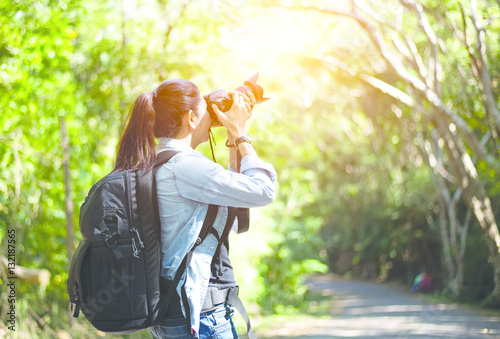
[(236, 118)]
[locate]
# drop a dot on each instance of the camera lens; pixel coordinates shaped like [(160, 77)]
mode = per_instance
[(224, 101)]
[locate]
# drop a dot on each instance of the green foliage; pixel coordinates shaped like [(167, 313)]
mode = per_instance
[(84, 63), (478, 268), (292, 255), (284, 277), (38, 89), (354, 192)]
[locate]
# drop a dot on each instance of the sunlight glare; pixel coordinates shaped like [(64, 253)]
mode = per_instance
[(272, 39)]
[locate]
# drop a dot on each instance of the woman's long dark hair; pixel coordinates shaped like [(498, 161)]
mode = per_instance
[(153, 115)]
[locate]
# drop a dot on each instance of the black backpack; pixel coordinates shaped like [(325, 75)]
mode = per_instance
[(114, 277)]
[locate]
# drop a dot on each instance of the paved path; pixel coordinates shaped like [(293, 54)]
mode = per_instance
[(370, 310)]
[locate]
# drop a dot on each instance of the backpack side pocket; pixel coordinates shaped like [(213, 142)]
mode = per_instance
[(75, 285)]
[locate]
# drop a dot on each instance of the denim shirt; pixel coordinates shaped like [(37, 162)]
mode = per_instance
[(186, 185)]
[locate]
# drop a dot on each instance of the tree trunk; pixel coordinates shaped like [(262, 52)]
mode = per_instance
[(123, 104), (70, 227), (476, 198), (453, 233), (39, 276)]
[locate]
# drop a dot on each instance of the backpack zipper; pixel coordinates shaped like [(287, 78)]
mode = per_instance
[(134, 248), (135, 234)]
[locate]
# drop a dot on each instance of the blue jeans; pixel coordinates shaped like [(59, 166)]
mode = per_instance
[(214, 324)]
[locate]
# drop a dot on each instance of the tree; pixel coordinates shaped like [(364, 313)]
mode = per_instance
[(69, 73), (414, 42)]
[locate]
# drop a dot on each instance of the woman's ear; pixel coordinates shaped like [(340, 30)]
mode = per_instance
[(192, 120)]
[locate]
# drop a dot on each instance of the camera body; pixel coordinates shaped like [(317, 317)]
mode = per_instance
[(224, 102)]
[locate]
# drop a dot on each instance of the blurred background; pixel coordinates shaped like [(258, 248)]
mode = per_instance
[(383, 126)]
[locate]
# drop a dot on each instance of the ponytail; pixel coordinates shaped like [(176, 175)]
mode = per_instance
[(154, 115), (137, 147)]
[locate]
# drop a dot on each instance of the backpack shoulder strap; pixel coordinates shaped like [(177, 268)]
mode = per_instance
[(207, 225), (164, 156), (167, 289), (147, 190)]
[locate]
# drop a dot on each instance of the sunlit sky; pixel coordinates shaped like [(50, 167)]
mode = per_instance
[(272, 41), (256, 37), (260, 36), (269, 39)]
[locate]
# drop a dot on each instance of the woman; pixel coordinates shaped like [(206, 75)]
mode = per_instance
[(176, 114)]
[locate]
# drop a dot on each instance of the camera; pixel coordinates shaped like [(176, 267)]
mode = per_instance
[(224, 101)]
